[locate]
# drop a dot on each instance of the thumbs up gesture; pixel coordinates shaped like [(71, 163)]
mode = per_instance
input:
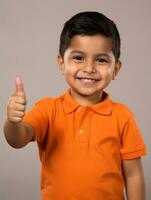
[(17, 103)]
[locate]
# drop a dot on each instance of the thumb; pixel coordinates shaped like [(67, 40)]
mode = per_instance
[(19, 86)]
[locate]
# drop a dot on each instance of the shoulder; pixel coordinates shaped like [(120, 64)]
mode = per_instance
[(123, 115), (120, 107), (122, 111)]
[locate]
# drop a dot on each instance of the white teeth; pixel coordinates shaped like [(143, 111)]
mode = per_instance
[(87, 80)]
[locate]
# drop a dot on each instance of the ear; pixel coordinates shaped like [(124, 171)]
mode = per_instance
[(60, 61), (117, 68)]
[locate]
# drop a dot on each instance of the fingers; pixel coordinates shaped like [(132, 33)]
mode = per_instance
[(16, 108), (16, 116), (17, 103), (18, 99)]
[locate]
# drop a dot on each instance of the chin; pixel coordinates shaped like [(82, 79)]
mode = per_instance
[(88, 93)]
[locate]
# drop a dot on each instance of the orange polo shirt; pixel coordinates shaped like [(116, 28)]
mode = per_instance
[(81, 147)]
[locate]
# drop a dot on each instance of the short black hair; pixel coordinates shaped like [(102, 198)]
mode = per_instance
[(90, 23)]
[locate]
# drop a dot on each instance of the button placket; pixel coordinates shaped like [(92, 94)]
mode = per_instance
[(81, 133)]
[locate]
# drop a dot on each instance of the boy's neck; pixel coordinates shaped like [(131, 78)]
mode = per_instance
[(86, 100)]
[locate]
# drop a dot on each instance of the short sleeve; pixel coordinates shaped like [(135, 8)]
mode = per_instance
[(132, 143), (39, 117)]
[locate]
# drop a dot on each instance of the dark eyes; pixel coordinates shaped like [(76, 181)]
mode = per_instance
[(101, 60), (78, 58), (98, 60)]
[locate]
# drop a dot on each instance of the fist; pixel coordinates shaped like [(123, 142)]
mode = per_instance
[(17, 103)]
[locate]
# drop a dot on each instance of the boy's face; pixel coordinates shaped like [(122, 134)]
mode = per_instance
[(88, 66)]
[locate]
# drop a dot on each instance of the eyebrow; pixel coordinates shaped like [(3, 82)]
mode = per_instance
[(97, 55)]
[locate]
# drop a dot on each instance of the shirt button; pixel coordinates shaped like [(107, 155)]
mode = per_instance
[(80, 131), (80, 108)]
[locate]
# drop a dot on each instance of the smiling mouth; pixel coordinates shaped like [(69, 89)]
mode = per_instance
[(86, 79), (87, 82)]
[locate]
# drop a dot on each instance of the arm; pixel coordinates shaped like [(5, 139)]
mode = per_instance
[(134, 179), (17, 133)]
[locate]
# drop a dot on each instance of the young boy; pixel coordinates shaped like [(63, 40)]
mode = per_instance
[(90, 146)]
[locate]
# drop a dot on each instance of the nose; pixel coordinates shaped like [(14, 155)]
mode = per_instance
[(89, 67)]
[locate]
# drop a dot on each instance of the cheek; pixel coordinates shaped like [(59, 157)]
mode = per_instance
[(68, 61), (69, 70), (71, 67), (68, 64), (106, 72)]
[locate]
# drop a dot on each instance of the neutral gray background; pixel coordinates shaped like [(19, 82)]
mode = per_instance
[(29, 39)]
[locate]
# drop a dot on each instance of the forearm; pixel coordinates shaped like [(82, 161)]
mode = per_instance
[(135, 188), (17, 134)]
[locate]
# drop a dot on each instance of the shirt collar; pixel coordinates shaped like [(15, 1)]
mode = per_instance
[(104, 107)]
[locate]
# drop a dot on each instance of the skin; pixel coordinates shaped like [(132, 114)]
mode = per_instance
[(134, 179), (17, 133), (88, 57), (88, 66), (92, 57)]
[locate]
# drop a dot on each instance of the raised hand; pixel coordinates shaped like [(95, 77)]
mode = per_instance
[(17, 103)]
